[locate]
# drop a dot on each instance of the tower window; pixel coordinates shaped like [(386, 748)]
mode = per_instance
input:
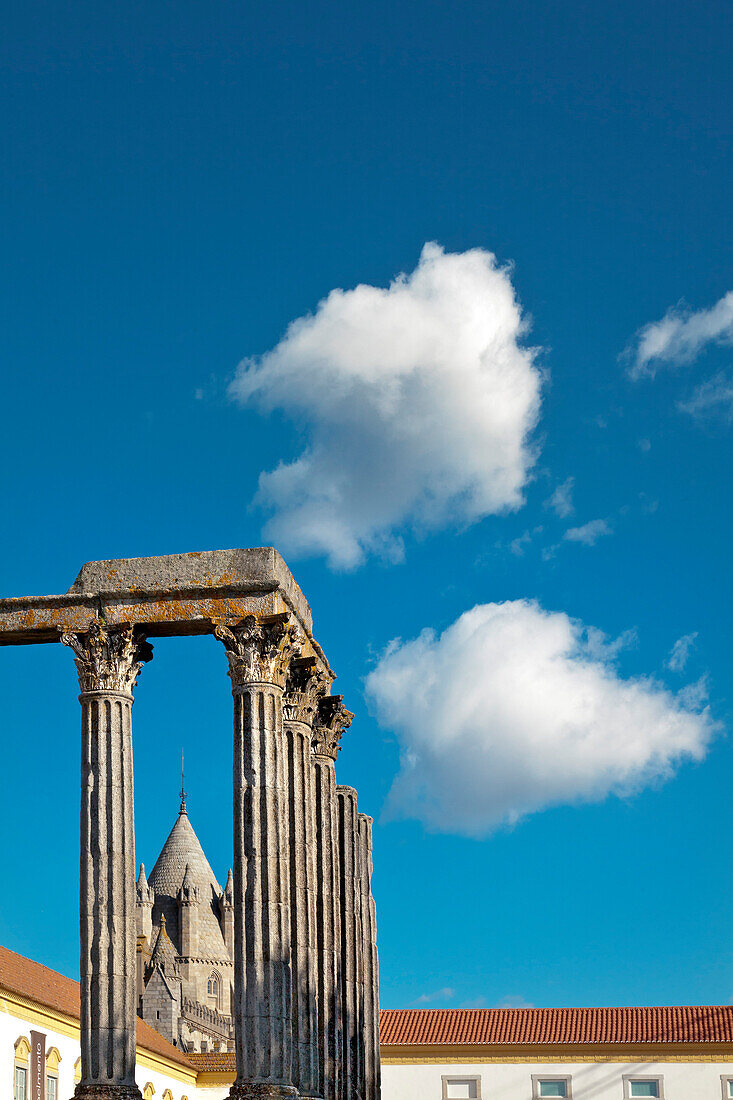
[(213, 986)]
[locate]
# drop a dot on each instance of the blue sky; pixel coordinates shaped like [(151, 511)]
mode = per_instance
[(179, 184)]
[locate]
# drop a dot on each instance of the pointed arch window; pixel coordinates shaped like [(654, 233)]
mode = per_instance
[(213, 989)]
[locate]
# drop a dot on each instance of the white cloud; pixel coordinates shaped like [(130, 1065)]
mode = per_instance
[(561, 500), (680, 652), (680, 336), (714, 397), (513, 709), (445, 994), (589, 533), (418, 400), (514, 1001), (518, 545)]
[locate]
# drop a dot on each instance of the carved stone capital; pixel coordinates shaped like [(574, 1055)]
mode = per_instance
[(331, 721), (259, 650), (307, 682), (108, 658)]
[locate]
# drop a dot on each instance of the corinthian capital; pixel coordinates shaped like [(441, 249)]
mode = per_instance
[(331, 721), (307, 682), (259, 650), (108, 658)]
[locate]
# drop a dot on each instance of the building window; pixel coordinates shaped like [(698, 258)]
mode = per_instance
[(461, 1088), (213, 986), (727, 1083), (20, 1068), (21, 1083), (53, 1058), (636, 1088), (551, 1084)]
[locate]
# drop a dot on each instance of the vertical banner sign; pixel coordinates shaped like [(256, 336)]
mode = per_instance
[(38, 1066)]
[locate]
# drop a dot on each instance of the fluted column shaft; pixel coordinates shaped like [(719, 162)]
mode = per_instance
[(371, 1061), (331, 720), (108, 662), (302, 822), (351, 945), (327, 925), (259, 653)]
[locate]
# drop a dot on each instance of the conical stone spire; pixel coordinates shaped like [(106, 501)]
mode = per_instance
[(144, 892), (188, 902), (164, 953), (182, 858)]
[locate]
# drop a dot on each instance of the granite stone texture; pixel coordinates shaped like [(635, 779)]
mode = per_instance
[(107, 663)]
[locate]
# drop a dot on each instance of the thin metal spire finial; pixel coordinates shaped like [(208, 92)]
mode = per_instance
[(183, 809)]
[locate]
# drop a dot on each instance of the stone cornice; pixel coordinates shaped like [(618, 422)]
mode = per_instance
[(108, 659), (543, 1053)]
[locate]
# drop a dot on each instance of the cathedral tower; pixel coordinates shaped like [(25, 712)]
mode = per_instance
[(183, 911)]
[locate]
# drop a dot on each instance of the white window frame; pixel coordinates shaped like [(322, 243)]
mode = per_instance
[(52, 1077), (449, 1078), (16, 1070), (538, 1077), (629, 1078), (726, 1079)]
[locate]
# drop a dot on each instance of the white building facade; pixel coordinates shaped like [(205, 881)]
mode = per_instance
[(486, 1054)]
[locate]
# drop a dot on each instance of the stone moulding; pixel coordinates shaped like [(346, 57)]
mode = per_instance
[(173, 595)]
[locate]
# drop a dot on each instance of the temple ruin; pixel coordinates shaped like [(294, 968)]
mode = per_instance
[(302, 918)]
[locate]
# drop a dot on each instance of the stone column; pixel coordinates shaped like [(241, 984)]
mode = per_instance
[(331, 720), (259, 652), (108, 661), (307, 682), (352, 986), (371, 1063)]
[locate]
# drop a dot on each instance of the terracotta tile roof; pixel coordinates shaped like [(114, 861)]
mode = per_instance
[(695, 1024), (213, 1062), (535, 1026), (46, 987)]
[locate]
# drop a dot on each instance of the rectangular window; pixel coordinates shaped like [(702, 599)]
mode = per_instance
[(21, 1081), (461, 1088), (644, 1088), (550, 1085), (52, 1084), (727, 1083), (553, 1088)]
